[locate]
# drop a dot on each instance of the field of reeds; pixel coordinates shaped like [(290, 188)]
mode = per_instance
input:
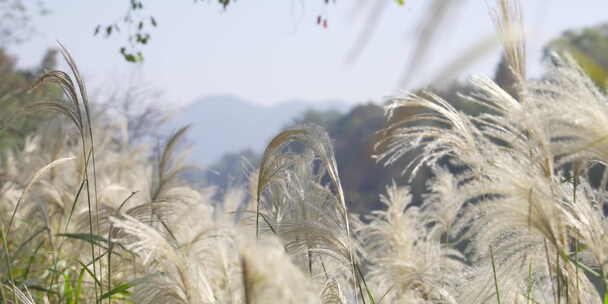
[(512, 214)]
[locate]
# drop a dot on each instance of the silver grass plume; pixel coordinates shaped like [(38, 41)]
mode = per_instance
[(179, 281), (269, 276), (512, 197), (294, 204), (17, 296), (407, 264), (509, 23)]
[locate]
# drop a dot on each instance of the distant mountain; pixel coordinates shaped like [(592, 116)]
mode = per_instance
[(224, 124)]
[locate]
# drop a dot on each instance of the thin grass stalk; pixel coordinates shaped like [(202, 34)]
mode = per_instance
[(67, 223), (388, 290), (369, 293), (309, 257), (494, 273), (2, 293), (558, 278), (585, 268), (29, 239), (574, 188), (54, 275), (76, 115), (7, 255), (31, 261), (529, 291), (85, 102), (245, 278), (605, 283), (91, 232), (549, 267), (111, 244), (324, 269)]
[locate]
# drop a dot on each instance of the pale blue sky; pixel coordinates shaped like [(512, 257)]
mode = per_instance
[(270, 51)]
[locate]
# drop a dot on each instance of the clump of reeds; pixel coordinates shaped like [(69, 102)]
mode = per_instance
[(511, 214)]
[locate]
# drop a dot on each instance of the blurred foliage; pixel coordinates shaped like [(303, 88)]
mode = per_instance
[(16, 20), (589, 47), (231, 170), (141, 108), (355, 134), (138, 24), (17, 119), (20, 118)]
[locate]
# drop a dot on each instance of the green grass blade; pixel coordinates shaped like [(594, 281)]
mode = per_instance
[(94, 239), (7, 255), (67, 223), (79, 286), (86, 268), (31, 261), (118, 290), (369, 293), (67, 287)]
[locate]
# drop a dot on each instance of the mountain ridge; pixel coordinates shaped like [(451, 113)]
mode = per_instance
[(223, 124)]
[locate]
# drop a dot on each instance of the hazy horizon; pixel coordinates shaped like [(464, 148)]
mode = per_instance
[(269, 51)]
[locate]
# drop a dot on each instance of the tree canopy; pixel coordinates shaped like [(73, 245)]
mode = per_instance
[(17, 119), (589, 47)]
